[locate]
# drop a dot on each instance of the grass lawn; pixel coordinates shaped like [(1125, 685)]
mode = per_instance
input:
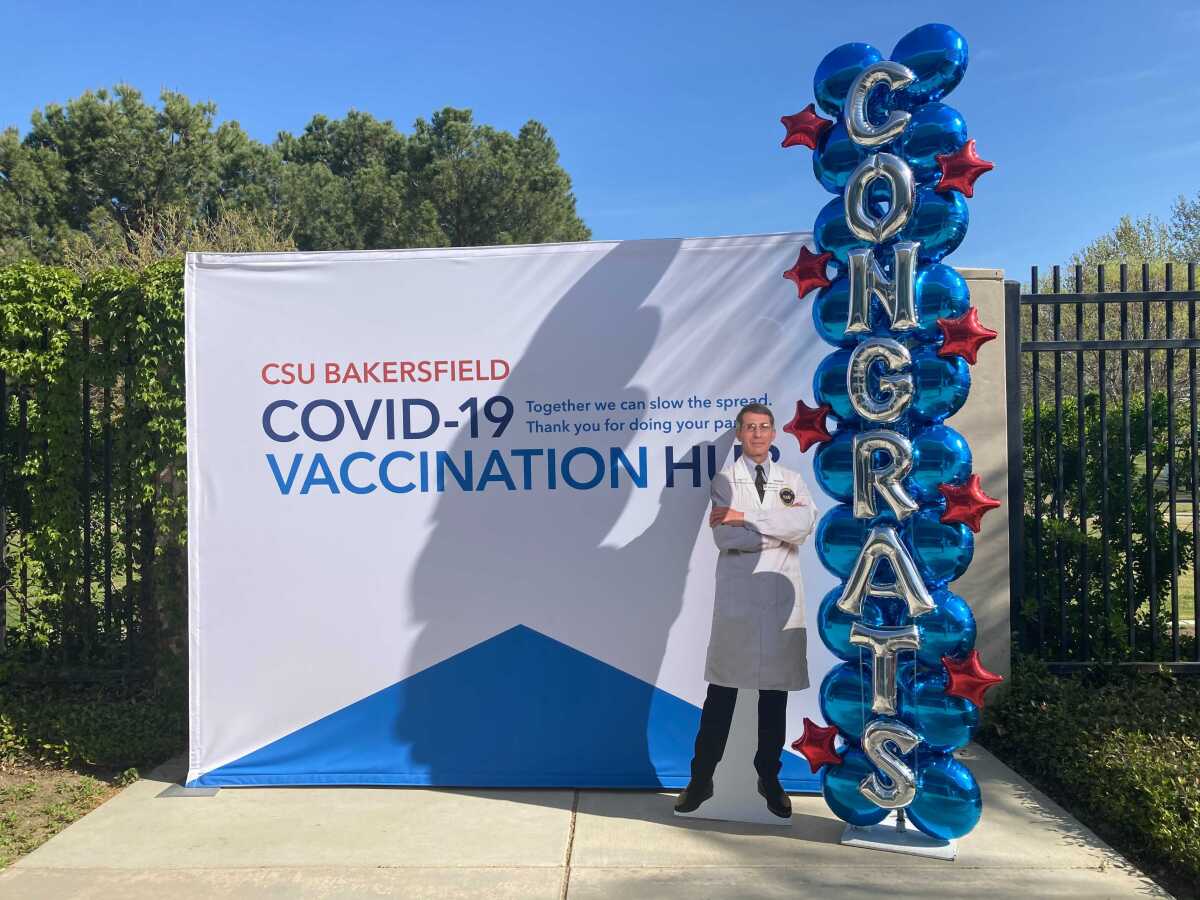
[(1187, 586), (1187, 596), (37, 802)]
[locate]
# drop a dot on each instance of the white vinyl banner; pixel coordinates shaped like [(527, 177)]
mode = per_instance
[(448, 509)]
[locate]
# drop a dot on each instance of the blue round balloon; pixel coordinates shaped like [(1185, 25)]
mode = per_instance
[(832, 234), (837, 71), (941, 294), (938, 221), (934, 129), (836, 157), (937, 55), (829, 386), (833, 465), (840, 538), (829, 312), (839, 785), (940, 456), (948, 803), (845, 698), (940, 385), (941, 550), (834, 626), (947, 630), (944, 722)]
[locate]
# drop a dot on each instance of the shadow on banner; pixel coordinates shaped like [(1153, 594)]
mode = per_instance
[(522, 706)]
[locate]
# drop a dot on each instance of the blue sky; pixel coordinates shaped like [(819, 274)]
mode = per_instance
[(667, 114)]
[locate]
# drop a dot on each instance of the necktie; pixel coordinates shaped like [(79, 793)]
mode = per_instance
[(760, 482)]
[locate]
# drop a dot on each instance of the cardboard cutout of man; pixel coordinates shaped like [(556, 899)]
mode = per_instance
[(761, 515)]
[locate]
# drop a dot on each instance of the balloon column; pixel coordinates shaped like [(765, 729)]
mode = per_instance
[(910, 686)]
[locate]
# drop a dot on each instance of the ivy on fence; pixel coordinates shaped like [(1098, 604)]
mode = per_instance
[(92, 469)]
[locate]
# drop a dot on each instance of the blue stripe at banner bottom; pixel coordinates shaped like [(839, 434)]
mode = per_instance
[(517, 710)]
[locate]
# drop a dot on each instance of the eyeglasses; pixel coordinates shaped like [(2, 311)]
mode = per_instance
[(756, 429)]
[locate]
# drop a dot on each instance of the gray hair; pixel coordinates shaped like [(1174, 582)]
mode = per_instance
[(759, 409)]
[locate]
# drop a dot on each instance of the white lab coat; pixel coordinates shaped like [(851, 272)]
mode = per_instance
[(758, 636)]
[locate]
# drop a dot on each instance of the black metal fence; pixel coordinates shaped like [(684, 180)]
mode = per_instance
[(1103, 466)]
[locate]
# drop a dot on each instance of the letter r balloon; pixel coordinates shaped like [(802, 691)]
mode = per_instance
[(886, 479)]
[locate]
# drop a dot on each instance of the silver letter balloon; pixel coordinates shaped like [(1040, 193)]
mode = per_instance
[(892, 602)]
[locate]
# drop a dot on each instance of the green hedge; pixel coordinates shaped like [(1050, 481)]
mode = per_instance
[(1120, 749), (110, 727)]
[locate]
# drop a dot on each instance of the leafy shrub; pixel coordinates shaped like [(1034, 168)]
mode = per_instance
[(1120, 749), (110, 727)]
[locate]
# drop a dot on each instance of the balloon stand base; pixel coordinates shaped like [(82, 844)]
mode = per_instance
[(886, 837)]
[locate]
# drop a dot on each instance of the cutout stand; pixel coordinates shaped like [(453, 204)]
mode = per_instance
[(735, 783), (895, 835)]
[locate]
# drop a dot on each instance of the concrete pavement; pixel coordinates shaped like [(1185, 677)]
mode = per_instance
[(350, 842)]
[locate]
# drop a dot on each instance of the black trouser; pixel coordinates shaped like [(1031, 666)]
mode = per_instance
[(714, 731)]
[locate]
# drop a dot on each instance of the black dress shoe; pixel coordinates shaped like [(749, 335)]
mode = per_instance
[(693, 795), (778, 802)]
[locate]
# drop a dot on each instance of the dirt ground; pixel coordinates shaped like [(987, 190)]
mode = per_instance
[(37, 802)]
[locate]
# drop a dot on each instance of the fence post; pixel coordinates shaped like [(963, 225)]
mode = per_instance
[(85, 605), (110, 631), (3, 516), (1016, 458)]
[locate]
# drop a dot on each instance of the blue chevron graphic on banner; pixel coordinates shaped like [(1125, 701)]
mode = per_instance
[(517, 710)]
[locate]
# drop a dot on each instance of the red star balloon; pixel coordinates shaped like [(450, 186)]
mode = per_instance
[(966, 503), (805, 127), (960, 169), (816, 745), (964, 335), (808, 425), (968, 678), (809, 272)]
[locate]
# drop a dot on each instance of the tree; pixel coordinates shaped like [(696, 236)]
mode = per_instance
[(1144, 246), (1147, 240), (107, 166), (125, 157), (452, 183), (346, 185), (31, 180), (1185, 228), (1132, 241), (489, 187)]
